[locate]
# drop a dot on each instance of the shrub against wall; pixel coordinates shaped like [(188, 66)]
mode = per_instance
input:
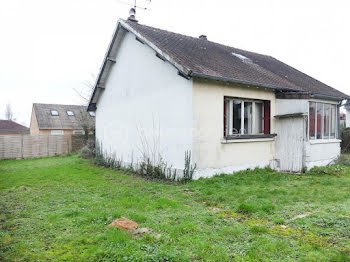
[(345, 137), (146, 167)]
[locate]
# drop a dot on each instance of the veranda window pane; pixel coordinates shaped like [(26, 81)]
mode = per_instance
[(333, 120), (326, 120), (236, 127), (312, 119), (248, 117), (258, 118), (319, 120)]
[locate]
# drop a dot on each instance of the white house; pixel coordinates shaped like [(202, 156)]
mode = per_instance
[(162, 94), (347, 108)]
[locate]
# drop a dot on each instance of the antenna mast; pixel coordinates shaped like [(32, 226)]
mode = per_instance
[(132, 12)]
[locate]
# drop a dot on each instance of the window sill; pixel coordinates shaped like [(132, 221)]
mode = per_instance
[(324, 141), (248, 138)]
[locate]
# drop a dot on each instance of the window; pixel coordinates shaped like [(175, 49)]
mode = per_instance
[(57, 132), (246, 117), (92, 113), (78, 132), (312, 119), (70, 113), (322, 120), (54, 112)]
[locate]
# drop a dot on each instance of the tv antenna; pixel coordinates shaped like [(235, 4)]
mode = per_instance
[(134, 7)]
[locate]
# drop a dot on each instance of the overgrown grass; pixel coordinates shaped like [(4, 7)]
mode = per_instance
[(58, 208)]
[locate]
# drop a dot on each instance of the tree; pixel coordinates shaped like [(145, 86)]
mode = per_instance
[(86, 122), (86, 91), (9, 113)]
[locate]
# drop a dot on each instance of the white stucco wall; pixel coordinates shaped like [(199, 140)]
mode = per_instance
[(291, 106), (145, 107), (321, 153), (347, 118), (209, 153)]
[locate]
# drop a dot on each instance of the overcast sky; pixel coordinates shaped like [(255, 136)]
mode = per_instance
[(50, 47)]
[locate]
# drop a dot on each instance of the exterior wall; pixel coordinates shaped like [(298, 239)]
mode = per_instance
[(291, 106), (321, 153), (211, 155), (34, 128), (146, 107), (348, 118)]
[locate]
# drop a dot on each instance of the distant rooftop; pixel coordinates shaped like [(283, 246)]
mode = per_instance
[(11, 127), (58, 116)]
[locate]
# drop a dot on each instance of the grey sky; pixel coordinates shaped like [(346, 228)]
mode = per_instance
[(49, 47)]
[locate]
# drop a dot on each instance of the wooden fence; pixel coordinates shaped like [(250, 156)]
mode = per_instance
[(28, 146)]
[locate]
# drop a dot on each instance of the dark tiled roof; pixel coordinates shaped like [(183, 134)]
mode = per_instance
[(10, 127), (204, 57), (62, 121)]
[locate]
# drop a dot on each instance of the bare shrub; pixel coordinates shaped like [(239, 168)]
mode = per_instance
[(345, 137)]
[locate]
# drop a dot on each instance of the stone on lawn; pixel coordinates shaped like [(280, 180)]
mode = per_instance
[(124, 223)]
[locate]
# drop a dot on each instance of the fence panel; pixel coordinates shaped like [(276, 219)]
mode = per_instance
[(28, 146)]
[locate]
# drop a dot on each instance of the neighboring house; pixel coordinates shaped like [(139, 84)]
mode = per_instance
[(56, 119), (161, 94), (342, 120), (8, 127), (347, 108)]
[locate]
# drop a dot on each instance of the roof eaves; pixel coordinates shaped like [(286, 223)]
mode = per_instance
[(237, 81), (328, 97), (105, 61)]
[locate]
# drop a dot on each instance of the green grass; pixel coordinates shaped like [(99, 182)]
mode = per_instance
[(59, 208)]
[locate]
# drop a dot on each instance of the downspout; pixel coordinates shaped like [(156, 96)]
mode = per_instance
[(338, 119)]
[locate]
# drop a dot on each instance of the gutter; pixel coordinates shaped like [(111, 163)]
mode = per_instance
[(237, 81), (335, 98)]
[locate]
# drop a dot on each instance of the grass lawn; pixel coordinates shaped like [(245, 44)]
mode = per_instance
[(58, 208)]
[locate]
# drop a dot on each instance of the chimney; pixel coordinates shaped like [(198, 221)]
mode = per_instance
[(132, 14), (204, 37)]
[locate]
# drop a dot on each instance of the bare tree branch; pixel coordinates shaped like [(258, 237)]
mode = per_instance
[(9, 113), (86, 91)]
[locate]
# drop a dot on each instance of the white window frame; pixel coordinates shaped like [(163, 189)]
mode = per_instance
[(322, 104), (70, 113), (229, 111), (53, 112), (57, 132)]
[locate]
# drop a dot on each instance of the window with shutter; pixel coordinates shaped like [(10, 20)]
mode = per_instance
[(244, 117)]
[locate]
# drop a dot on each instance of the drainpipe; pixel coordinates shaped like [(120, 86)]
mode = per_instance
[(338, 119)]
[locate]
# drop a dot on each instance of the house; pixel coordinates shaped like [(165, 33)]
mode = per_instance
[(347, 108), (9, 127), (56, 119), (162, 94), (342, 118)]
